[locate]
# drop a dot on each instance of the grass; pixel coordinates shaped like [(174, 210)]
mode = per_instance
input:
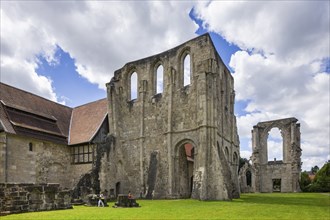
[(249, 206)]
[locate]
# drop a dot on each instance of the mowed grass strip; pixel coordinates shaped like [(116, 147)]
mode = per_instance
[(249, 206)]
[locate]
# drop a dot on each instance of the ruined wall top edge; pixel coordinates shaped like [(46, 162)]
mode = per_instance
[(282, 121), (173, 52)]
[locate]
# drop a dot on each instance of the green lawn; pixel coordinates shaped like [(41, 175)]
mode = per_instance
[(250, 206)]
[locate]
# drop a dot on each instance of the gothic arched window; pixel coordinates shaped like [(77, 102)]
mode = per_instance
[(159, 79), (134, 86), (186, 70)]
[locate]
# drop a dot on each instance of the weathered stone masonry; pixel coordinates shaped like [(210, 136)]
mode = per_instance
[(24, 197), (284, 174), (151, 131)]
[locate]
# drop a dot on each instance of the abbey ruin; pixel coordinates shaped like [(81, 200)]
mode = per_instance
[(166, 130), (176, 134), (277, 175)]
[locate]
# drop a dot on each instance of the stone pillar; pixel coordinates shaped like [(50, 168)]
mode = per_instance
[(143, 90), (3, 158), (112, 106), (170, 154)]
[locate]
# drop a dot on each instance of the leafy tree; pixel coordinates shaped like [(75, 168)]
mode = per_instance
[(322, 178), (315, 169), (321, 182), (305, 181)]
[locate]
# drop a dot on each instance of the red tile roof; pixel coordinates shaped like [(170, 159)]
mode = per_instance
[(24, 113), (86, 121)]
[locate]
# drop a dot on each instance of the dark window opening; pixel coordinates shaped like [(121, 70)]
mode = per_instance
[(248, 178), (227, 153), (117, 189), (30, 146), (276, 185)]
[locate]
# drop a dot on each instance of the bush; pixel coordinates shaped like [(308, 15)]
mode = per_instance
[(321, 182)]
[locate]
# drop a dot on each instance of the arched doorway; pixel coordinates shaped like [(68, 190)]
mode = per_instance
[(184, 170), (248, 177), (117, 189)]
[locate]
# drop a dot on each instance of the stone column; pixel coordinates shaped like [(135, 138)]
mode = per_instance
[(142, 95), (112, 106), (170, 154)]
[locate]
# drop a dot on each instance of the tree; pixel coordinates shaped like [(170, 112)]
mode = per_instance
[(305, 181), (321, 182), (315, 169), (322, 178)]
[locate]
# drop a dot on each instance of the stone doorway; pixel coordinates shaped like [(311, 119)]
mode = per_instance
[(117, 189), (248, 176), (184, 170)]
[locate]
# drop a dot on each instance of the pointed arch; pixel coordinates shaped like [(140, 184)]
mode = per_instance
[(248, 176), (186, 70), (235, 159), (159, 79), (185, 151), (227, 153), (275, 145)]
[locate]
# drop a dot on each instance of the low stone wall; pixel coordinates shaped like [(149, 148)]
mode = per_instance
[(28, 197)]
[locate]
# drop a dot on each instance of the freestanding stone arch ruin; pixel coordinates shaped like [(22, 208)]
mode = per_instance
[(278, 175), (150, 155)]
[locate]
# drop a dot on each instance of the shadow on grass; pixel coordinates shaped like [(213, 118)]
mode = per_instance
[(285, 199)]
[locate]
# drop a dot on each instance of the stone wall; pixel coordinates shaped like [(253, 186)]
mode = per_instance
[(28, 197), (30, 160), (33, 161), (151, 130), (3, 159)]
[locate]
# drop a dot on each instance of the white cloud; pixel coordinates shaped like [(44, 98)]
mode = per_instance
[(280, 70), (294, 30), (245, 154), (100, 36), (22, 74), (275, 144), (21, 40)]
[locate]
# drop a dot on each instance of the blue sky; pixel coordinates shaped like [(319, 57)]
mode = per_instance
[(277, 51), (66, 79), (69, 86)]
